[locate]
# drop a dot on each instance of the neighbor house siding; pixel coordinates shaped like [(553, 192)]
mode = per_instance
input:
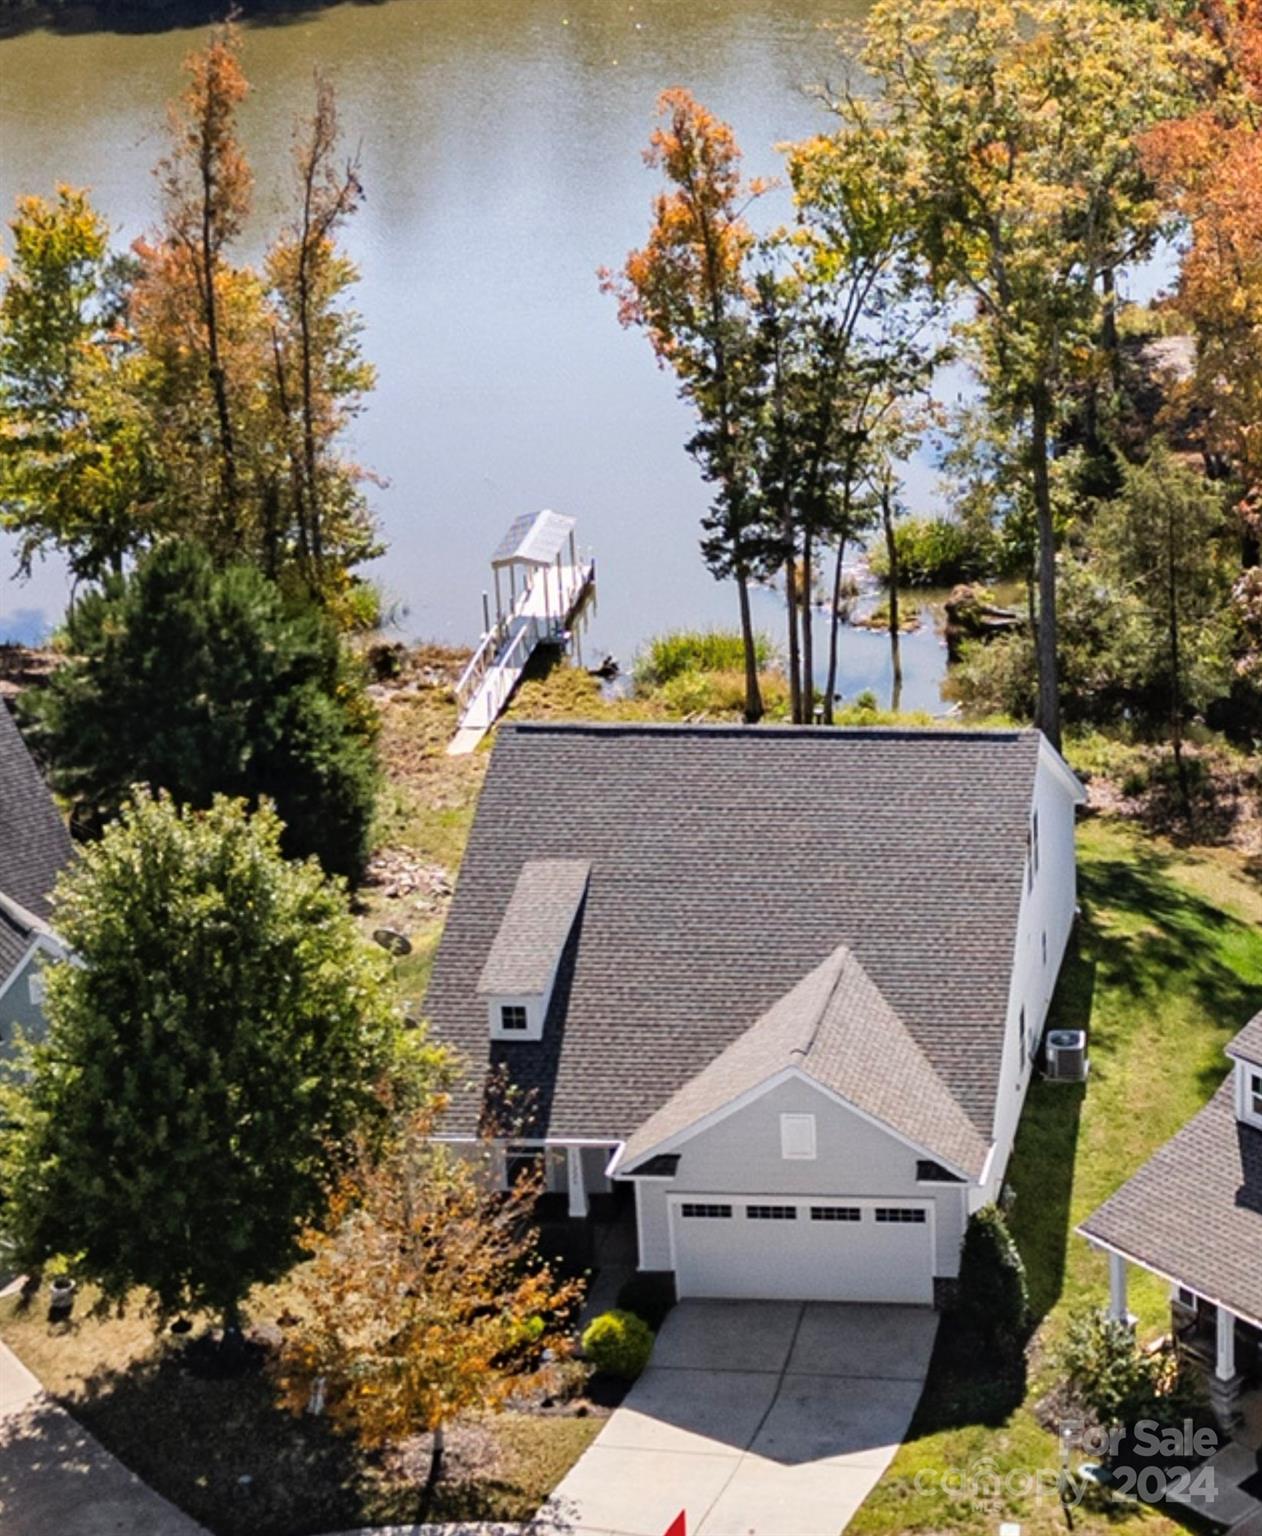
[(1048, 904), (653, 1223), (17, 1012), (740, 1155)]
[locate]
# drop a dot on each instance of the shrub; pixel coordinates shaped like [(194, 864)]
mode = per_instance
[(648, 1296), (939, 552), (994, 1298), (696, 650), (618, 1343), (1114, 1379), (203, 681)]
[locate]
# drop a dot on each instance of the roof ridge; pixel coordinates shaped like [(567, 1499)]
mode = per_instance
[(813, 1032), (769, 732)]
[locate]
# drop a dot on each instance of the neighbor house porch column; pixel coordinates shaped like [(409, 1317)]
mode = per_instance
[(578, 1189), (1226, 1382), (1118, 1309), (1225, 1367)]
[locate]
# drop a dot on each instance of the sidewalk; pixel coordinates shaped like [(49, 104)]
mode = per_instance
[(55, 1478)]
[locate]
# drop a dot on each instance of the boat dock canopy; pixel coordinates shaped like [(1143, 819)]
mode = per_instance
[(535, 538)]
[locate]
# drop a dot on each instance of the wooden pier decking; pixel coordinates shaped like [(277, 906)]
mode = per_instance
[(538, 552)]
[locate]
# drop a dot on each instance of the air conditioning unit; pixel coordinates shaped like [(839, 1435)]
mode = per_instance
[(1067, 1055)]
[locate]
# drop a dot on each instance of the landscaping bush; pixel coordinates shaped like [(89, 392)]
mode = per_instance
[(695, 650), (648, 1296), (994, 1298), (939, 552), (618, 1343), (1111, 1376)]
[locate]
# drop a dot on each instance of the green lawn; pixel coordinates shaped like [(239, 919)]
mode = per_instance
[(1167, 966)]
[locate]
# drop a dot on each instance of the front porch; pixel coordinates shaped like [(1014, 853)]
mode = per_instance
[(1222, 1348), (1225, 1351)]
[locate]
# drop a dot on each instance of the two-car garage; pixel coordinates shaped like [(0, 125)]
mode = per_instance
[(805, 1248)]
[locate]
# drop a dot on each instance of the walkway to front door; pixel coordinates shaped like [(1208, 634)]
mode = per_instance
[(758, 1418)]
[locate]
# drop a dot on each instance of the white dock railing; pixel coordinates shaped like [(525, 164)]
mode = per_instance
[(540, 613)]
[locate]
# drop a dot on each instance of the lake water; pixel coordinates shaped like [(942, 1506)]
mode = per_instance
[(500, 147)]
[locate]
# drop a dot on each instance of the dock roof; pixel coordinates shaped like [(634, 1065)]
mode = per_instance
[(535, 538)]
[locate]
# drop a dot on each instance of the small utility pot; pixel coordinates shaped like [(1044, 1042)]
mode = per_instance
[(61, 1299)]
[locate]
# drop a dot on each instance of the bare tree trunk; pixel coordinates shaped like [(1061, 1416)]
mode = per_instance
[(1048, 718), (1108, 328), (1176, 669), (309, 453), (753, 693), (808, 636), (436, 1456), (791, 602), (834, 624), (210, 316), (295, 466), (891, 561)]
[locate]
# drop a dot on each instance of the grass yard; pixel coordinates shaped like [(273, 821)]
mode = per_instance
[(1167, 967), (195, 1440)]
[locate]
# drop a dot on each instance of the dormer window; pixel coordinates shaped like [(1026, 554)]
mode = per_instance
[(1249, 1092), (525, 958)]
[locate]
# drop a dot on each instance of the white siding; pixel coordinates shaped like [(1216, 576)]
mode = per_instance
[(740, 1155), (1048, 903), (653, 1223)]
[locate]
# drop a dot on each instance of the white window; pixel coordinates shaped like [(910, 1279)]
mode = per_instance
[(512, 1017), (900, 1215), (1255, 1094), (35, 987), (797, 1137)]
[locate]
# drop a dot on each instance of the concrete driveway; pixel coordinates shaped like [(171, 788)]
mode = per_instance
[(756, 1419)]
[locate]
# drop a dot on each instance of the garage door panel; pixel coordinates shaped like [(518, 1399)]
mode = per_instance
[(800, 1249)]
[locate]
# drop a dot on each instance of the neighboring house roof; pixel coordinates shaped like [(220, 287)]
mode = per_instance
[(536, 538), (727, 864), (836, 1029), (15, 942), (1247, 1045), (34, 842), (537, 924), (22, 934), (1193, 1212)]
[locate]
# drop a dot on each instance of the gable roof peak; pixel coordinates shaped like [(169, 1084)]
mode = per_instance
[(836, 1028)]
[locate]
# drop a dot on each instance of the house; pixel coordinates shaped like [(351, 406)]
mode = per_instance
[(1192, 1215), (787, 986), (34, 848)]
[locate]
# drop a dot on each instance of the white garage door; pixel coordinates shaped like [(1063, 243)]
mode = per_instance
[(802, 1250)]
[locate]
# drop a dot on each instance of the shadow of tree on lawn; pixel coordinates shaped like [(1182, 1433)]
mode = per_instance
[(226, 1454)]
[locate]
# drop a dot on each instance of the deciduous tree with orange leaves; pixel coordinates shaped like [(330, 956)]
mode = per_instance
[(426, 1297), (688, 287), (1209, 161)]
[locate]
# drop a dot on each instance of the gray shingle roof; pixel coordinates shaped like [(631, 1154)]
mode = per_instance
[(15, 940), (837, 1029), (1247, 1045), (1193, 1212), (728, 863), (536, 925), (34, 843)]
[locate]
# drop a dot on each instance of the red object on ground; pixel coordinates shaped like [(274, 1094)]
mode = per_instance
[(677, 1525)]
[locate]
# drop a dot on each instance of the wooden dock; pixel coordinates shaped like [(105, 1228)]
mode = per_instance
[(548, 586)]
